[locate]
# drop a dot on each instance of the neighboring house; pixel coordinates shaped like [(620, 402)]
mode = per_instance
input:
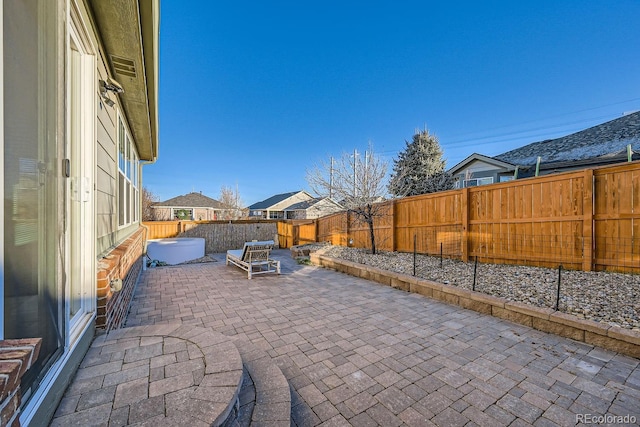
[(480, 170), (600, 145), (312, 209), (192, 206), (80, 116), (274, 206)]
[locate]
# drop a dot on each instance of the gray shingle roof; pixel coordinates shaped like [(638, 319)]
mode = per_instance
[(605, 139), (267, 203), (302, 205), (192, 200)]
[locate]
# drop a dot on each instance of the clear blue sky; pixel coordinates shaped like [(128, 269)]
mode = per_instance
[(254, 93)]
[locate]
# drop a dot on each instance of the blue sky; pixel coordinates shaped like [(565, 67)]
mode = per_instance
[(254, 93)]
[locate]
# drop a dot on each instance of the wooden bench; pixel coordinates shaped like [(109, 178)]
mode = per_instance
[(254, 258)]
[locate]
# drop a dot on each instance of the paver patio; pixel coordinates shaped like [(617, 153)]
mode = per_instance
[(358, 353)]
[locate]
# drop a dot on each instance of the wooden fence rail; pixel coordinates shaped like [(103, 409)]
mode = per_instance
[(586, 220)]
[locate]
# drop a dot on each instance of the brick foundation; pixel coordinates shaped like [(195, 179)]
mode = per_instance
[(16, 357), (123, 262)]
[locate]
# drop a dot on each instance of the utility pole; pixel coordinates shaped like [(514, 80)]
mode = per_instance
[(236, 214), (355, 168), (331, 179), (366, 172)]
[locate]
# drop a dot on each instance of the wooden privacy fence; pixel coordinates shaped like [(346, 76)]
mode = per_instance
[(296, 232), (219, 235), (586, 220)]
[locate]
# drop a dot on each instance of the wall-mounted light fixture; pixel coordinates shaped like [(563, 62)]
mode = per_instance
[(109, 85)]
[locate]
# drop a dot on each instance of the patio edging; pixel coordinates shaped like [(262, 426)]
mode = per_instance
[(613, 338)]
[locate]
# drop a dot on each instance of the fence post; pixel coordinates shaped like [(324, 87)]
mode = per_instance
[(559, 281), (346, 228), (465, 223), (589, 199), (393, 225), (415, 238), (475, 274)]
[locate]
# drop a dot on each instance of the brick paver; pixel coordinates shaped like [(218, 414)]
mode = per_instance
[(359, 353)]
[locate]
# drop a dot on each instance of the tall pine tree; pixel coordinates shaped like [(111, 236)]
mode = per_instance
[(419, 169)]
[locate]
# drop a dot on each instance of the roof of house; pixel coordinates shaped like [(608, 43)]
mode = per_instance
[(482, 158), (604, 140), (192, 200), (309, 203), (267, 203)]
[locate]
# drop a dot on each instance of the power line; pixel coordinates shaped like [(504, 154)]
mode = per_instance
[(520, 134), (552, 117)]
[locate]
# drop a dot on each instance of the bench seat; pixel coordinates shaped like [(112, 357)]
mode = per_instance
[(254, 258)]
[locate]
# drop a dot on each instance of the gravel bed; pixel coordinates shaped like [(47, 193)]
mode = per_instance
[(611, 298)]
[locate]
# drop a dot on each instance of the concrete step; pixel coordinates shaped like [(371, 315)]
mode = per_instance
[(264, 398), (175, 374)]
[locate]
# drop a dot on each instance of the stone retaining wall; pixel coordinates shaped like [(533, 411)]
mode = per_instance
[(612, 338)]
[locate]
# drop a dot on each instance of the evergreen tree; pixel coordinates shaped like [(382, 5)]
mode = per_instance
[(419, 169)]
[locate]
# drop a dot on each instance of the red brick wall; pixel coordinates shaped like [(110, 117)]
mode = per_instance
[(123, 262), (16, 357)]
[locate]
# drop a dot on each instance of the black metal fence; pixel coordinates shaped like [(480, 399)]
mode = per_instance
[(612, 297)]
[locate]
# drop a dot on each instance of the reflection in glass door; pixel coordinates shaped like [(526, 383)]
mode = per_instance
[(33, 244)]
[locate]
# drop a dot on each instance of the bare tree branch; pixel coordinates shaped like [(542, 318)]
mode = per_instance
[(357, 182), (148, 199), (231, 197)]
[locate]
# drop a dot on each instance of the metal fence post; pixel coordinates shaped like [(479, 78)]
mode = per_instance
[(559, 281), (475, 273), (415, 239)]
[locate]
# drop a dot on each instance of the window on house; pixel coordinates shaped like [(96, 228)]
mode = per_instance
[(183, 214), (128, 186), (478, 181), (506, 178), (276, 215)]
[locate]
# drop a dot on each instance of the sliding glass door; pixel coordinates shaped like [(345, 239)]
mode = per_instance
[(33, 224)]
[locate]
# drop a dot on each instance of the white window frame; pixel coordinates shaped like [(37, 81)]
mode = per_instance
[(478, 181), (130, 162), (189, 211), (276, 215)]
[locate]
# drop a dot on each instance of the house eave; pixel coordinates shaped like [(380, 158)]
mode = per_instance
[(129, 30), (482, 158)]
